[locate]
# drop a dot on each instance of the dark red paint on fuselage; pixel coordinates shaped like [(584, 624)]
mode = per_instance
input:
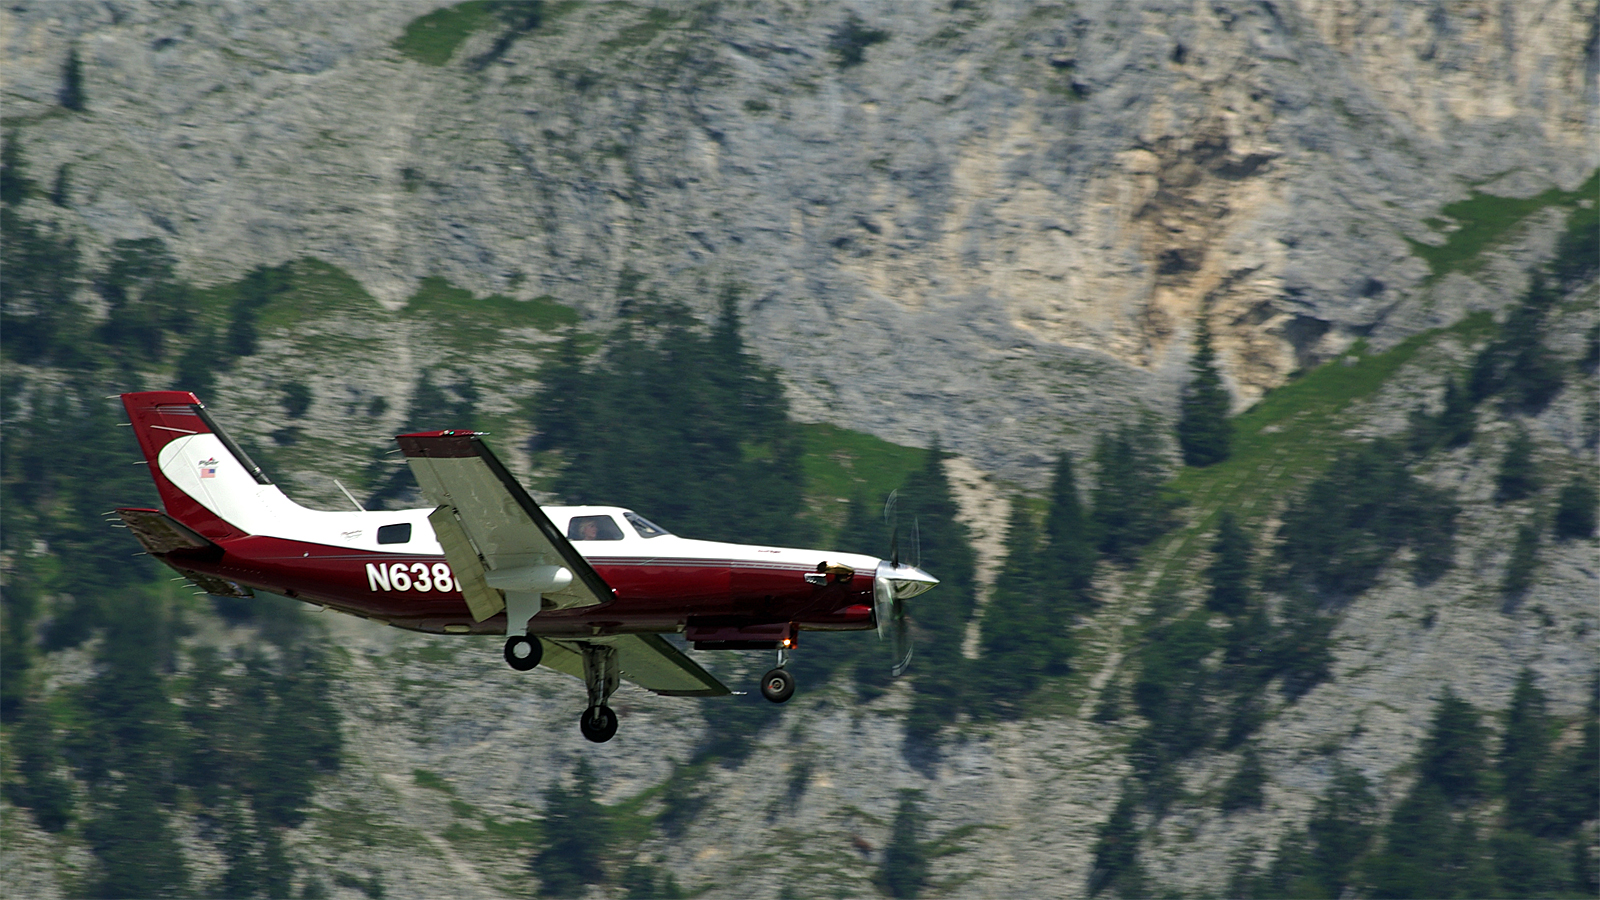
[(652, 594)]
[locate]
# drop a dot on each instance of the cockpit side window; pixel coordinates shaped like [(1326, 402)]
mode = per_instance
[(593, 528), (645, 527)]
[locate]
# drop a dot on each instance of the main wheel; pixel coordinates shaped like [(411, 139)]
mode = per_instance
[(777, 685), (598, 724), (523, 653)]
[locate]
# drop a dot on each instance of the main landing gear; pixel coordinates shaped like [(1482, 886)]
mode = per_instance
[(778, 685), (600, 676)]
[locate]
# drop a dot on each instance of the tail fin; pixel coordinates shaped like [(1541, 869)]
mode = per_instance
[(206, 482)]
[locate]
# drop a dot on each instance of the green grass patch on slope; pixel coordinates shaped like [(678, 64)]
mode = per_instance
[(444, 305), (840, 463), (316, 290), (655, 21), (1482, 219), (432, 39)]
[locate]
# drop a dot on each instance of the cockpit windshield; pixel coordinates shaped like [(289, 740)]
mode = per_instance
[(645, 527)]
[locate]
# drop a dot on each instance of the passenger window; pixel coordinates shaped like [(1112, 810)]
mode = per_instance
[(593, 528), (395, 534)]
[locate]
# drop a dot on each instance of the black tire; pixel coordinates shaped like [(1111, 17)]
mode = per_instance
[(598, 724), (777, 685), (523, 653)]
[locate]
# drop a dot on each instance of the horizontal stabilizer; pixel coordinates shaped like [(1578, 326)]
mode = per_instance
[(161, 534)]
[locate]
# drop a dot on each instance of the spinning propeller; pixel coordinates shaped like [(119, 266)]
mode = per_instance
[(894, 583)]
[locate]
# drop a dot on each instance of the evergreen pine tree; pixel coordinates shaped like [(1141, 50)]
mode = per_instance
[(72, 82), (1520, 567), (1518, 477), (562, 406), (1524, 747), (1457, 420), (1574, 798), (1131, 506), (1116, 851), (905, 860), (1340, 532), (1229, 572), (61, 188), (1340, 829), (939, 617), (1017, 632), (35, 754), (577, 836), (1454, 754), (1066, 560), (1244, 788), (14, 182), (1516, 365), (1576, 509), (1205, 433), (127, 767)]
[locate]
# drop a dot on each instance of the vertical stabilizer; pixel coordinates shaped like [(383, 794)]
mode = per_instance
[(206, 481)]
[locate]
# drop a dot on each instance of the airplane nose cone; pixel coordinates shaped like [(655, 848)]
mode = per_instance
[(909, 581)]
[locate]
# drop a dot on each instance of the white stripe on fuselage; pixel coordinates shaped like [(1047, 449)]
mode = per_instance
[(262, 509)]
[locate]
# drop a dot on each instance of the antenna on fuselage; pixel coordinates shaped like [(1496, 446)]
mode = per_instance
[(348, 497)]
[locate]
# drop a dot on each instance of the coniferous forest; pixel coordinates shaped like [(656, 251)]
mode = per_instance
[(675, 416)]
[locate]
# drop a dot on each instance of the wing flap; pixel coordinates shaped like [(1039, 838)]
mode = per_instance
[(483, 601)]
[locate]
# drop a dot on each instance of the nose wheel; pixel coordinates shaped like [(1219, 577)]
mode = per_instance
[(523, 653), (777, 685), (598, 724)]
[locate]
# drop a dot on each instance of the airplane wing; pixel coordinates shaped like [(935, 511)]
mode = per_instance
[(643, 659), (486, 523)]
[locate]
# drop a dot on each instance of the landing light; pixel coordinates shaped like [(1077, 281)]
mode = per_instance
[(457, 629)]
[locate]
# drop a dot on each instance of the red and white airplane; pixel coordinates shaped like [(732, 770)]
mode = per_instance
[(587, 590)]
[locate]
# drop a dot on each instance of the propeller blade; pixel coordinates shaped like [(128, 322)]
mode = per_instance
[(901, 644), (891, 518), (884, 602), (892, 585)]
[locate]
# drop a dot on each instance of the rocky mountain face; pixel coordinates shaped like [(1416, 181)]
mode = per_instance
[(993, 225), (990, 220)]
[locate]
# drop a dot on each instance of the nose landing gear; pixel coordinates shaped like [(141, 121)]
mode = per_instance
[(778, 685)]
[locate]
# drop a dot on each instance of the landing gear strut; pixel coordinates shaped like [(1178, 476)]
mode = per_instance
[(523, 652), (599, 723), (778, 685)]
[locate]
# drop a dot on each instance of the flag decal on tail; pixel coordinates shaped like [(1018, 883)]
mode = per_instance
[(208, 468)]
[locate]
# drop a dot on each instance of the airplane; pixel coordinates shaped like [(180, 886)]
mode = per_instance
[(584, 590)]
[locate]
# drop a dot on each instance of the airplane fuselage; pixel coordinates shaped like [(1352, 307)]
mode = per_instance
[(660, 584)]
